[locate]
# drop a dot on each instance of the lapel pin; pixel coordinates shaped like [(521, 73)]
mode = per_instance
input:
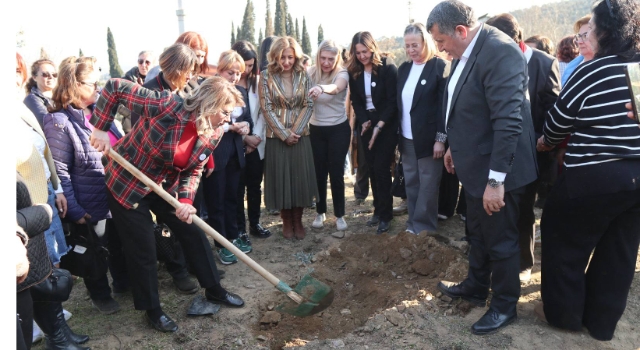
[(424, 81), (373, 83), (202, 157)]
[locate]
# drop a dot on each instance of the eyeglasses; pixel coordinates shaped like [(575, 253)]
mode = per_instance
[(94, 84), (49, 75), (226, 113), (580, 37), (147, 62), (610, 8)]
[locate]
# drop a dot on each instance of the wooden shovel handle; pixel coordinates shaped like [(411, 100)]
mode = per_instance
[(202, 225)]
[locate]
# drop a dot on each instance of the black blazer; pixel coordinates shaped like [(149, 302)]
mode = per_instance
[(383, 95), (231, 143), (426, 108), (544, 87), (489, 126)]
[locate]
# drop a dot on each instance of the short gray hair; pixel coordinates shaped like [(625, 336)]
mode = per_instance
[(449, 14)]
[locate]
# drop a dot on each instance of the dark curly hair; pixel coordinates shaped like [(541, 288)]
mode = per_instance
[(567, 49), (617, 28)]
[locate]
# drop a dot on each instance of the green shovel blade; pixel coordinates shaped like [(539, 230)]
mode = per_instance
[(317, 295)]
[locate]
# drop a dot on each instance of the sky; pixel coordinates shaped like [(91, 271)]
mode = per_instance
[(65, 26)]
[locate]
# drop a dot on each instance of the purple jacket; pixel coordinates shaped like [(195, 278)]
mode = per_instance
[(78, 164)]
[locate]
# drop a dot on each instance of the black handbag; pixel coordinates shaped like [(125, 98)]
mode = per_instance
[(55, 288), (87, 257), (397, 187)]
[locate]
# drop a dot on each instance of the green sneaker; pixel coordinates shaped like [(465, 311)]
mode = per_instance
[(226, 257), (242, 245)]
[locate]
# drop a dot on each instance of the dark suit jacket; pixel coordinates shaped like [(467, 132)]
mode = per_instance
[(231, 143), (489, 126), (426, 108), (383, 95), (544, 87)]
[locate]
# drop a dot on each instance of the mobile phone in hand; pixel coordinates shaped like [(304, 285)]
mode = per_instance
[(632, 72)]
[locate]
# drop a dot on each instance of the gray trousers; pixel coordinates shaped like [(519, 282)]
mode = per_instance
[(422, 183)]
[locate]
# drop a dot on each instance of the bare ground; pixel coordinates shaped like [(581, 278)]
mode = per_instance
[(385, 298)]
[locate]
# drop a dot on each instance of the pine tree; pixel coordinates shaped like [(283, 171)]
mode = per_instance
[(306, 41), (248, 31), (114, 66), (297, 32), (80, 53), (260, 39), (233, 35), (268, 29), (291, 29), (43, 54), (280, 22), (320, 34)]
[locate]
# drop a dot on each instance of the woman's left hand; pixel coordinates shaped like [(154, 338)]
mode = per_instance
[(184, 212), (315, 92), (541, 146), (61, 204), (438, 150), (376, 131)]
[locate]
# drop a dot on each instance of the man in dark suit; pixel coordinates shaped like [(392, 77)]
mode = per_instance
[(544, 87), (491, 148)]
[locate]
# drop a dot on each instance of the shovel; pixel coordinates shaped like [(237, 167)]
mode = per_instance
[(310, 295)]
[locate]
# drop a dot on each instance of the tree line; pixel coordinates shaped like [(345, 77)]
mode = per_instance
[(282, 25)]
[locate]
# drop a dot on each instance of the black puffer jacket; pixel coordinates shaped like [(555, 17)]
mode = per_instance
[(34, 220)]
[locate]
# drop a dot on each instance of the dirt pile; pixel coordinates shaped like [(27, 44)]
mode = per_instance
[(369, 274)]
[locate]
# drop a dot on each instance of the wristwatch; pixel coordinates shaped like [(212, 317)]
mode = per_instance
[(493, 183)]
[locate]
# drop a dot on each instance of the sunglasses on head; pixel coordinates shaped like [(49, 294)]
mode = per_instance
[(610, 8), (141, 61), (49, 75)]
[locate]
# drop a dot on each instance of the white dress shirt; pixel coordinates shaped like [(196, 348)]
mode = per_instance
[(407, 98), (453, 81), (367, 91)]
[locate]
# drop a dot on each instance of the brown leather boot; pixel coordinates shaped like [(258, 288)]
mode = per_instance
[(298, 228), (287, 223)]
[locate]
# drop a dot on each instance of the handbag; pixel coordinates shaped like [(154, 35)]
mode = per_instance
[(397, 187), (55, 288), (87, 257)]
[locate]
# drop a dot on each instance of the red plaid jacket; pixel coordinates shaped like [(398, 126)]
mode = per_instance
[(151, 144)]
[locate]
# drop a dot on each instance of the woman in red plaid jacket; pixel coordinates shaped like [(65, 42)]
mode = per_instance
[(170, 143)]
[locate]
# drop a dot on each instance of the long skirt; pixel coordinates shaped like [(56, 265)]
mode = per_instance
[(289, 177)]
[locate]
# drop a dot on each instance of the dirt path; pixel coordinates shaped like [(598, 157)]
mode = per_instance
[(385, 299)]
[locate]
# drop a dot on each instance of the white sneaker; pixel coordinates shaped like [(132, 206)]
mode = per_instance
[(319, 221), (341, 224), (409, 231)]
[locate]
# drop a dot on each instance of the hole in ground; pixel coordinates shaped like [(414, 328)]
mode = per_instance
[(369, 274)]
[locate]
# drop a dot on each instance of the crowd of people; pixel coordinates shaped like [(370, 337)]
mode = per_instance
[(518, 122)]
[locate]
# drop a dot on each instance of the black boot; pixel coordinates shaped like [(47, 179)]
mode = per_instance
[(45, 314), (76, 338)]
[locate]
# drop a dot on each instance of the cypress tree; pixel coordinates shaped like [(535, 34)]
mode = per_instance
[(114, 66), (248, 30), (320, 34), (80, 53), (306, 41), (268, 29), (238, 34), (290, 26), (43, 54), (233, 35), (260, 39), (297, 32), (280, 22)]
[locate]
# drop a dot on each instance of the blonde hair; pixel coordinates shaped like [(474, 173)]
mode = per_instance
[(209, 98), (315, 72), (277, 48), (429, 48), (176, 61), (228, 58), (579, 23), (72, 70)]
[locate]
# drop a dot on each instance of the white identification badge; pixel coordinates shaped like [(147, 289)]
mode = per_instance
[(202, 157), (79, 249), (423, 82), (373, 83)]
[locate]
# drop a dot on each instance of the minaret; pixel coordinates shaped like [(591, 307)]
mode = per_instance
[(180, 13), (410, 17)]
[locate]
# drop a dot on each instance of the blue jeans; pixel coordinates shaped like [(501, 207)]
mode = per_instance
[(54, 236)]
